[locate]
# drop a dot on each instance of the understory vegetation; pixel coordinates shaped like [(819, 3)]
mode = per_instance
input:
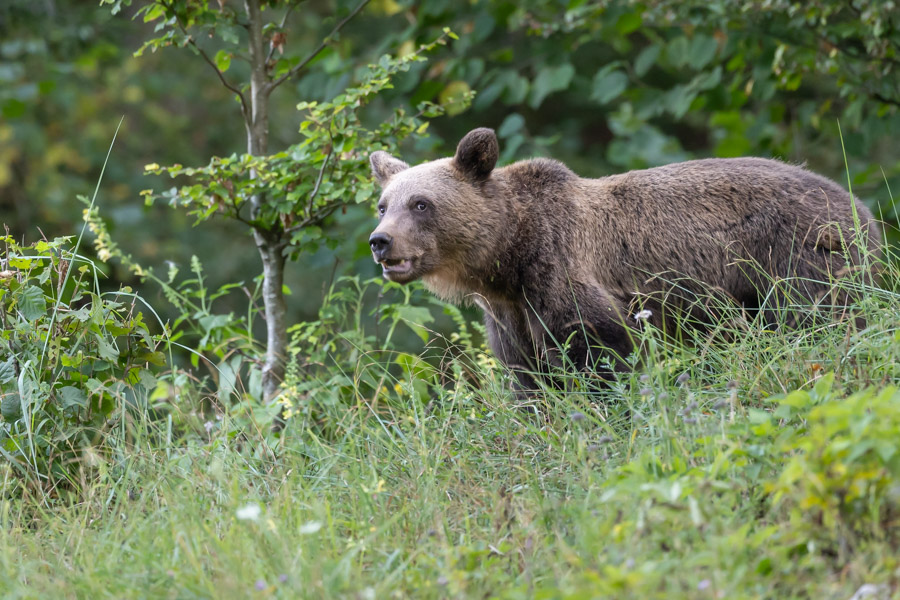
[(748, 462), (219, 401)]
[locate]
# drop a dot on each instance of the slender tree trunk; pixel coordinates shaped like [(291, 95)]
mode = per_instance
[(270, 243)]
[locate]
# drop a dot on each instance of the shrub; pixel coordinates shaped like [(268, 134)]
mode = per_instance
[(76, 364)]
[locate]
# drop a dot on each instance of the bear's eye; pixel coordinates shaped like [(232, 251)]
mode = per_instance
[(381, 209), (421, 205)]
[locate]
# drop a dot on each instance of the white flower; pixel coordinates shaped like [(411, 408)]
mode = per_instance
[(250, 512), (311, 527), (643, 315)]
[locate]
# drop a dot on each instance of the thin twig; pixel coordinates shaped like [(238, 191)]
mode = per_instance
[(274, 84), (885, 99), (315, 192), (211, 63), (283, 21)]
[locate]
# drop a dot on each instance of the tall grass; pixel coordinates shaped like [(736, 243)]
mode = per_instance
[(764, 463)]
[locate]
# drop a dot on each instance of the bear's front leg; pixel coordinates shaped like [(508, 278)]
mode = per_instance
[(592, 325)]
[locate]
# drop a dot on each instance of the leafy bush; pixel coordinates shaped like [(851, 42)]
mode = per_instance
[(76, 365), (349, 356), (843, 475)]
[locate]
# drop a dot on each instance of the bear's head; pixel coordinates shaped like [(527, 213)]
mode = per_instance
[(440, 221)]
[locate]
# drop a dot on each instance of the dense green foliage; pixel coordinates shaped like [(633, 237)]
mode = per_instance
[(602, 86), (77, 365)]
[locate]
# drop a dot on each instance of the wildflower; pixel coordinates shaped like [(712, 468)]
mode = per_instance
[(250, 512), (282, 578), (442, 581), (683, 378), (646, 391), (311, 527), (704, 584), (604, 439), (642, 315), (732, 385), (644, 378), (260, 585), (577, 416)]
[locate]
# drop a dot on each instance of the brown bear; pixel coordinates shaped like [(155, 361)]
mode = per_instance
[(559, 261)]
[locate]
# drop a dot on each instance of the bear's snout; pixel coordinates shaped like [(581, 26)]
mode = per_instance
[(380, 243)]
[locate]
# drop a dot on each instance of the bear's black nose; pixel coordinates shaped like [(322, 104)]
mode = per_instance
[(380, 243)]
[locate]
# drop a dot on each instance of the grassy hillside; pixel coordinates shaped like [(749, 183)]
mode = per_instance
[(749, 464)]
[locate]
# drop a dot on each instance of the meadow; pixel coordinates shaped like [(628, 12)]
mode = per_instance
[(749, 462)]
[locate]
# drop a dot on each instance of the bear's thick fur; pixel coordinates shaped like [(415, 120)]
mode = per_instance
[(554, 259)]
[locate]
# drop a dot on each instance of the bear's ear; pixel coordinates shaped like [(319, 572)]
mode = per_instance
[(477, 153), (384, 166)]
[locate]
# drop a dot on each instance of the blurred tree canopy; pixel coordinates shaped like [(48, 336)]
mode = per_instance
[(603, 86)]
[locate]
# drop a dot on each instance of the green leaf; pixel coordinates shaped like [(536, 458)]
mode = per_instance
[(148, 380), (154, 358), (71, 396), (646, 59), (415, 317), (549, 80), (8, 370), (702, 51), (823, 387), (513, 123), (677, 52), (228, 373), (629, 22), (106, 350), (32, 303), (223, 60), (609, 83), (453, 97), (154, 12), (11, 406)]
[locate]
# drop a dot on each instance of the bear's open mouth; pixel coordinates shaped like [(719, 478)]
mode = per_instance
[(397, 265)]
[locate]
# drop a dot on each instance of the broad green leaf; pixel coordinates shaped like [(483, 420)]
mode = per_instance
[(511, 124), (549, 80), (106, 350), (628, 23), (702, 51), (646, 59), (11, 406), (609, 83), (415, 317), (32, 303), (677, 52), (71, 396), (453, 97), (223, 60), (8, 370)]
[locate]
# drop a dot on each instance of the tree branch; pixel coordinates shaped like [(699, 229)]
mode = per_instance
[(281, 26), (315, 191), (212, 64), (885, 99), (302, 65)]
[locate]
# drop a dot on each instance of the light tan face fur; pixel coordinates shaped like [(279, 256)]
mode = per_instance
[(439, 221), (431, 214)]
